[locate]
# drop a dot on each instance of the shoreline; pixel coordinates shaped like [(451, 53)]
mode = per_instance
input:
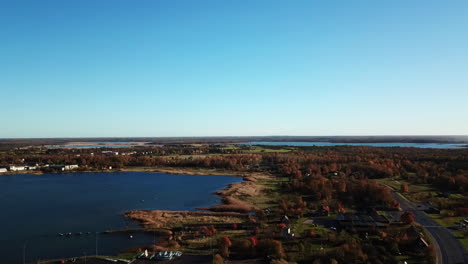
[(231, 203), (232, 208), (165, 219), (168, 170)]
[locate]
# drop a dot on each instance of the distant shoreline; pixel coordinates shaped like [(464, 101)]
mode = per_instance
[(151, 141), (168, 170)]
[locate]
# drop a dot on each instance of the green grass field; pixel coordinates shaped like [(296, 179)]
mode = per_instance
[(259, 149), (462, 238), (444, 220)]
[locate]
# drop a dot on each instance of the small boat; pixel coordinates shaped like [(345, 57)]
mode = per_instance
[(60, 234), (143, 255), (165, 255), (131, 236)]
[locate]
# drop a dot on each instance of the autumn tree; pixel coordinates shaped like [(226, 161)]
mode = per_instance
[(407, 217), (218, 259), (272, 247), (224, 244), (404, 188)]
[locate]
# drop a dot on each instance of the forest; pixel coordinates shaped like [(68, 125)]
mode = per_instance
[(341, 180)]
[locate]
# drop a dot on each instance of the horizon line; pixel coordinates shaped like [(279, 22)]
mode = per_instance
[(298, 136)]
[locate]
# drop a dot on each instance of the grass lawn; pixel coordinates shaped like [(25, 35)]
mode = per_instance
[(462, 238), (445, 221), (396, 183), (384, 213), (233, 147), (258, 149), (299, 227), (449, 222), (271, 193), (417, 192), (127, 256)]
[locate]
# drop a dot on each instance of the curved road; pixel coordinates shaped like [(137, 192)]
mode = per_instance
[(449, 249)]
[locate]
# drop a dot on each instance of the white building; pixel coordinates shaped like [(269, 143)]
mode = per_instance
[(16, 168), (110, 153), (71, 167), (2, 170), (63, 167)]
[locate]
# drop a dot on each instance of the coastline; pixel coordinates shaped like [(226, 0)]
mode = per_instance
[(165, 231), (233, 205), (232, 209), (167, 170), (237, 201)]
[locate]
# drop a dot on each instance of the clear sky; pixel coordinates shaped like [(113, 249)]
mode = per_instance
[(92, 68)]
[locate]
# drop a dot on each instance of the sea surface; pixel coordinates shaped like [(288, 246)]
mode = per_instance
[(36, 208), (392, 144)]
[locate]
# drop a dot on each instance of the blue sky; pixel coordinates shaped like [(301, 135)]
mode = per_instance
[(215, 68)]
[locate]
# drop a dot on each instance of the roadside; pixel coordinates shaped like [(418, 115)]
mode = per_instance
[(448, 249)]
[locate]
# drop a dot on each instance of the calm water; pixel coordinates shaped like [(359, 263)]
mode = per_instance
[(413, 145), (35, 208)]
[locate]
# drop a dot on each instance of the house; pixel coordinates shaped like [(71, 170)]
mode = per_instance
[(129, 153), (420, 244), (287, 233), (16, 168), (71, 167), (57, 167), (110, 153), (412, 232), (360, 222), (63, 167), (31, 167)]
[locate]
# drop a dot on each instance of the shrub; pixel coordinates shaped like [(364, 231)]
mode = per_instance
[(271, 247), (218, 259)]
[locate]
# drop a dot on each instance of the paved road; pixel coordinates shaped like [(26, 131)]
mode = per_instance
[(448, 248)]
